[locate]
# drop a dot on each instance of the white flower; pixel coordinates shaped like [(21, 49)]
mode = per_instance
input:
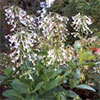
[(34, 68), (16, 15), (53, 24), (61, 55), (80, 23), (49, 2), (20, 44), (55, 69)]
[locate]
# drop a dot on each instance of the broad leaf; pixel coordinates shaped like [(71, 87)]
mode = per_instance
[(12, 94), (38, 86), (2, 77), (84, 86), (20, 86)]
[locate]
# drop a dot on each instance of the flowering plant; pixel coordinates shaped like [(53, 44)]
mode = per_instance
[(45, 60)]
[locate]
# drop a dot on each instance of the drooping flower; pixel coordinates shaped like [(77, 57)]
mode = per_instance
[(17, 17), (53, 25), (80, 23), (60, 55), (23, 35)]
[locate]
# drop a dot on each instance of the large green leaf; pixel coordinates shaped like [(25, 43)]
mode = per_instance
[(2, 77), (20, 87), (85, 56), (52, 84), (12, 94), (84, 86)]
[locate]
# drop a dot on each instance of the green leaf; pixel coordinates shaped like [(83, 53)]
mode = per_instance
[(67, 73), (8, 71), (2, 77), (78, 73), (56, 73), (38, 86), (84, 86), (84, 56), (52, 84), (45, 77), (20, 86), (48, 96), (72, 94), (73, 83), (12, 94), (61, 96)]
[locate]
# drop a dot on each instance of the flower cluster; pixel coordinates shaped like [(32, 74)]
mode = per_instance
[(80, 23), (53, 25), (51, 37), (54, 34), (76, 35), (23, 35), (21, 44), (60, 55), (16, 15)]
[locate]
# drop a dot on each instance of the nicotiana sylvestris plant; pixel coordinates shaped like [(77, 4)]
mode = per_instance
[(51, 33), (43, 43)]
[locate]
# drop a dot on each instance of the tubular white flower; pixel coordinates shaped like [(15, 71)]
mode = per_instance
[(53, 24), (80, 23), (21, 44), (60, 55), (52, 37), (23, 38), (15, 15)]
